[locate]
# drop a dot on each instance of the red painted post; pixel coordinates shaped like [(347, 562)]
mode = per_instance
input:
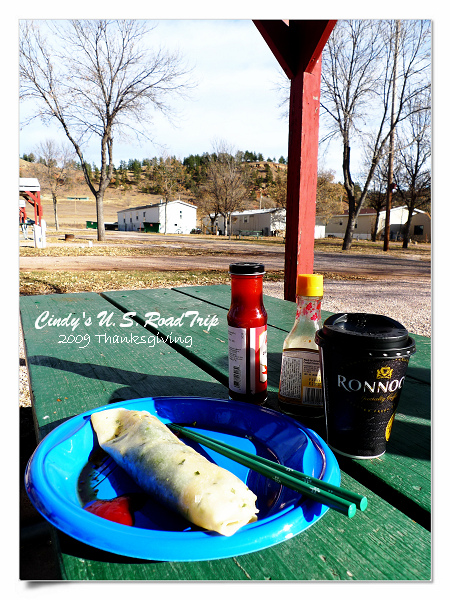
[(302, 177), (34, 198), (39, 207), (298, 45)]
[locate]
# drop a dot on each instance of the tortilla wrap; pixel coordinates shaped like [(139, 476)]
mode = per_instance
[(174, 473)]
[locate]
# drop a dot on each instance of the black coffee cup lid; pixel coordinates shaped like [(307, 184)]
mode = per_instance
[(365, 330)]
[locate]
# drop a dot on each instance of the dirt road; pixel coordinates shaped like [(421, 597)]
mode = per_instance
[(366, 265)]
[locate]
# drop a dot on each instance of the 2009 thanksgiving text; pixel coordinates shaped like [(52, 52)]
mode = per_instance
[(107, 319)]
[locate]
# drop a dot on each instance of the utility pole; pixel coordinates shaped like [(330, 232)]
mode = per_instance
[(387, 223)]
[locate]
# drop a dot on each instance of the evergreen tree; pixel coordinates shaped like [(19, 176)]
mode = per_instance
[(269, 175), (249, 156)]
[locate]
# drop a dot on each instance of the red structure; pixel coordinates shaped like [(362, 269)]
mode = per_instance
[(298, 45), (31, 191), (22, 214)]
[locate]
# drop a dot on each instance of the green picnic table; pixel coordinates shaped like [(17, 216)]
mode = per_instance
[(391, 540)]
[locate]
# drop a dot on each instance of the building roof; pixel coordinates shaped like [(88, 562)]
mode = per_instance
[(255, 211), (372, 211), (156, 204), (364, 211), (29, 184)]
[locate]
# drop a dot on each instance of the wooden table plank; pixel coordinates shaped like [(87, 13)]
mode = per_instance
[(379, 544), (68, 379), (281, 314), (209, 347)]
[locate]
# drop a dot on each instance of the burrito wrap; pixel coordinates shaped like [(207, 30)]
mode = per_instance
[(174, 473)]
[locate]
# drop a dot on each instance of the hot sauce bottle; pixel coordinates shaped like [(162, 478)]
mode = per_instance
[(300, 391), (247, 334)]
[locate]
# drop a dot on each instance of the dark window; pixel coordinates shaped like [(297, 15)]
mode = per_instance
[(418, 229)]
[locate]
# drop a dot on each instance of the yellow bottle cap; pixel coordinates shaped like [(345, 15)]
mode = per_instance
[(309, 285)]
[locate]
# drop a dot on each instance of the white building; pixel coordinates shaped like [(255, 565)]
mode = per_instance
[(365, 224), (181, 218), (264, 221)]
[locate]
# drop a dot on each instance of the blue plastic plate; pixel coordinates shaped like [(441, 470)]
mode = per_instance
[(67, 470)]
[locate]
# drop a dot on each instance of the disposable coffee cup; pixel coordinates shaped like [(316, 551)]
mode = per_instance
[(363, 359)]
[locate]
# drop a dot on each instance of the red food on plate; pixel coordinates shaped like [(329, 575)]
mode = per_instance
[(117, 510)]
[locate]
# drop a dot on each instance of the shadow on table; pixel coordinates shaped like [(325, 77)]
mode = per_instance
[(415, 400), (37, 559), (152, 383), (419, 374), (73, 547), (123, 384), (410, 439)]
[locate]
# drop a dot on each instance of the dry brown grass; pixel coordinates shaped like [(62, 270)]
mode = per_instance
[(118, 250), (368, 247), (63, 282)]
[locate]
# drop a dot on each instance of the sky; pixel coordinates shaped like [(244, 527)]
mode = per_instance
[(236, 99)]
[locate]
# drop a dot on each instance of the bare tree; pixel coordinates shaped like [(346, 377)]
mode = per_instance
[(96, 78), (357, 77), (413, 174), (387, 223), (277, 189), (376, 197), (57, 159), (328, 195), (226, 182), (208, 207)]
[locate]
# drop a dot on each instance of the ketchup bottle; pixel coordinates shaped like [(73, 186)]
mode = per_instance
[(247, 334)]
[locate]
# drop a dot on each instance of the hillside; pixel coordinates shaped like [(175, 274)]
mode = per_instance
[(75, 213)]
